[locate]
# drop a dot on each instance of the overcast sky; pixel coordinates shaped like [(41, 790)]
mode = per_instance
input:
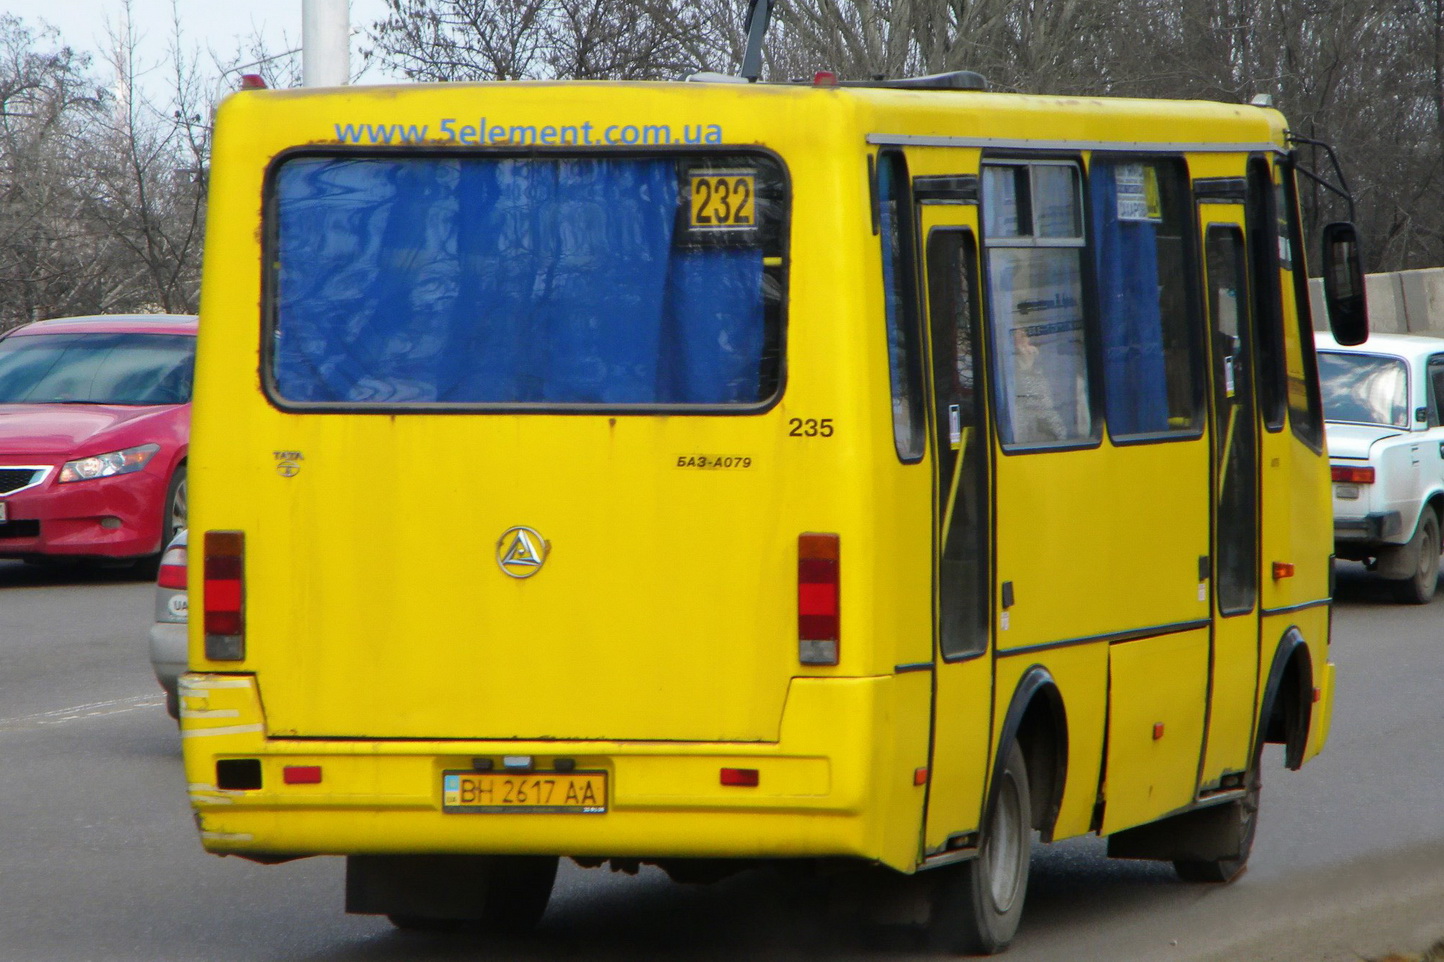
[(221, 26)]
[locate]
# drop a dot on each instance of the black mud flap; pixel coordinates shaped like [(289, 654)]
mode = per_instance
[(1203, 834)]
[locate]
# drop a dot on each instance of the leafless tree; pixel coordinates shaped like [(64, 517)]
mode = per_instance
[(47, 107), (102, 184), (147, 193), (552, 39)]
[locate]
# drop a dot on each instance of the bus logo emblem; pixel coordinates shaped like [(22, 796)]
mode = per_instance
[(521, 551)]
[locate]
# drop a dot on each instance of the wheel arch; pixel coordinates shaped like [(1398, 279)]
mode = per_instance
[(1288, 699), (1037, 719), (1435, 501)]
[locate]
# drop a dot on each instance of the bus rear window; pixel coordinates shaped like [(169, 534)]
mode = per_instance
[(535, 281)]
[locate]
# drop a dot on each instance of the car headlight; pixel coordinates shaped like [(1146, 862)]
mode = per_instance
[(107, 465)]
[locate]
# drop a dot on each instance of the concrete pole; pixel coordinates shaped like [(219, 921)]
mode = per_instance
[(325, 43)]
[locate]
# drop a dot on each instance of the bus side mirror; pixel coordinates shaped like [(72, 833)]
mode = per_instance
[(1344, 284)]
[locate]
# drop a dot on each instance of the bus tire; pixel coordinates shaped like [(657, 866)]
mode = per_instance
[(1422, 553), (1220, 870), (418, 923), (977, 905), (520, 891), (440, 893)]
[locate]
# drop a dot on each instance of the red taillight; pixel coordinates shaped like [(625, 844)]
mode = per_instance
[(172, 572), (301, 774), (818, 607), (1352, 475), (746, 777), (225, 595)]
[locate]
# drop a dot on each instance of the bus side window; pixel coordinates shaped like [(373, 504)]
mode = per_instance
[(1436, 391), (1263, 250), (904, 350), (1141, 244), (1304, 401), (1033, 227), (1234, 438), (962, 460)]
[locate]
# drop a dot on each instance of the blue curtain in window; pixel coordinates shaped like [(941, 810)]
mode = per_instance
[(1129, 313), (522, 280)]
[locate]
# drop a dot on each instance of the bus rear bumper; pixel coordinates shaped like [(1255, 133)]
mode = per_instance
[(818, 790)]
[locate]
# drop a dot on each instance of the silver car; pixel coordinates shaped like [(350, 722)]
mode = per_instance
[(1384, 417), (168, 634)]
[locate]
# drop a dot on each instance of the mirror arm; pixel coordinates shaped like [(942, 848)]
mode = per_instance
[(1343, 189)]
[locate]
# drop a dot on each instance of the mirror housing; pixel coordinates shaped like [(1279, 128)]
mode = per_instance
[(1344, 284)]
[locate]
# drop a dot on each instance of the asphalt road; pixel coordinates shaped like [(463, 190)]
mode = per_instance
[(99, 858)]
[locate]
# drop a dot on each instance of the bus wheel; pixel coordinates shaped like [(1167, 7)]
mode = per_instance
[(1227, 869), (521, 887), (977, 905), (417, 923), (1423, 553), (439, 893)]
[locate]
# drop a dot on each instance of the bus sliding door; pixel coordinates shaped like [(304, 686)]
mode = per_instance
[(962, 539), (1235, 487)]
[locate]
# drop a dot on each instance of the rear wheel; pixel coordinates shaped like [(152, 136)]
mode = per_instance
[(1228, 869), (438, 893), (977, 905), (1423, 551)]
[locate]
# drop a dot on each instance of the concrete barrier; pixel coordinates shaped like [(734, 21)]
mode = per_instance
[(1403, 302)]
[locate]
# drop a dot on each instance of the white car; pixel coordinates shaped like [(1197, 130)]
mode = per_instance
[(1384, 420), (168, 633)]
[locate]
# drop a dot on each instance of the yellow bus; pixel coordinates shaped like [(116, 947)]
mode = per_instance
[(702, 474)]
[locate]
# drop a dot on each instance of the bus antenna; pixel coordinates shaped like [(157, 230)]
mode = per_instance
[(759, 12)]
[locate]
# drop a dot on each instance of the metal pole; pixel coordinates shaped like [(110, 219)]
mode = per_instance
[(758, 14), (325, 43)]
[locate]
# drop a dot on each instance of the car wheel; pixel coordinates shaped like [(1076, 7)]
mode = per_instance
[(977, 905), (175, 507), (1423, 550), (1227, 869)]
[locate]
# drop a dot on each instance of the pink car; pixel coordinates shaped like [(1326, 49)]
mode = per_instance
[(94, 431)]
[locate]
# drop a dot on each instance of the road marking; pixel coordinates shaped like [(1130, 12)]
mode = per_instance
[(95, 709)]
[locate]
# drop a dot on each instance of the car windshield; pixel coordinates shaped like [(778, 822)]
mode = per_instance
[(96, 368), (1365, 388)]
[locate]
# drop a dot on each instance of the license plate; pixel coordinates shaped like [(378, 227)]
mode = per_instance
[(524, 792)]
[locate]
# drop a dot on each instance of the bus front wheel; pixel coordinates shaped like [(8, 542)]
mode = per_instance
[(977, 905)]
